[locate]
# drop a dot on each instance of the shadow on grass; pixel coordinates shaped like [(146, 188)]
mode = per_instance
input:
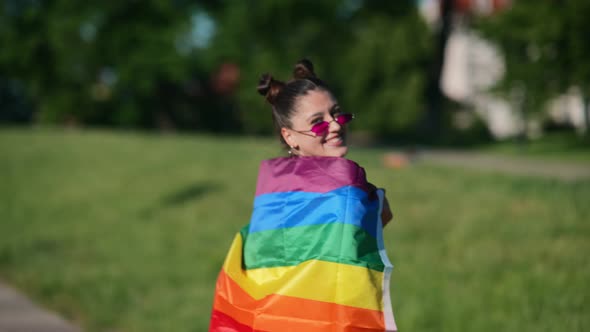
[(184, 195), (190, 193)]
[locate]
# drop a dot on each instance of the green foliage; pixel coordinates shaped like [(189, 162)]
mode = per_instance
[(545, 45), (108, 63), (127, 232), (383, 81), (135, 63), (371, 54)]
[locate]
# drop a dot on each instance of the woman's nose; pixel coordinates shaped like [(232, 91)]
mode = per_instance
[(334, 126)]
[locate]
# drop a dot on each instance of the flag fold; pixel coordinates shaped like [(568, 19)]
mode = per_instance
[(312, 257)]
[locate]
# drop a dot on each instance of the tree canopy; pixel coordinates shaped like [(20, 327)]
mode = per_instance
[(545, 46), (156, 62), (195, 65)]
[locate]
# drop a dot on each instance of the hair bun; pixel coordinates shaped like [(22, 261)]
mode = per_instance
[(269, 87), (303, 69), (264, 84)]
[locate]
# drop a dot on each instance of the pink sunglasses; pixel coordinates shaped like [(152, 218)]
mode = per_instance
[(321, 128)]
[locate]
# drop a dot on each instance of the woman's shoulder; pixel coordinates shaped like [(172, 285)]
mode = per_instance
[(311, 161), (317, 174)]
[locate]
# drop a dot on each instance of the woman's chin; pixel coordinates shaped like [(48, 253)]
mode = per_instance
[(325, 151), (336, 151)]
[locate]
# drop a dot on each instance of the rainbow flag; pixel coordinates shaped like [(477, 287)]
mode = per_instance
[(312, 257)]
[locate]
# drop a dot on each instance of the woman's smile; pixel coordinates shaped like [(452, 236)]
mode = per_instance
[(334, 141)]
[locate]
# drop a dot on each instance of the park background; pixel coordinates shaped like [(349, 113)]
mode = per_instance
[(132, 133)]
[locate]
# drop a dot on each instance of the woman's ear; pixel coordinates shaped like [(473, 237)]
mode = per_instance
[(289, 138)]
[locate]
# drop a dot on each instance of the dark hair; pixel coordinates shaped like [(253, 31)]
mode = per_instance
[(283, 96)]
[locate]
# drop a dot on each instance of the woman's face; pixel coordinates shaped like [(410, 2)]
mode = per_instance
[(314, 107)]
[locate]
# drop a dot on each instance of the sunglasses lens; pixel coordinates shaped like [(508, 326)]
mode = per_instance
[(320, 128), (344, 118)]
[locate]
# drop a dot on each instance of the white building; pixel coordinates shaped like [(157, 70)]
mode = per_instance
[(473, 65)]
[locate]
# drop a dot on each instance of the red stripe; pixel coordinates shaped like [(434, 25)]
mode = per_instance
[(280, 313), (221, 322)]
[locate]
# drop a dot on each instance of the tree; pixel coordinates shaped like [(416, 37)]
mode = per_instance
[(546, 49), (113, 62), (371, 54), (434, 96), (158, 62)]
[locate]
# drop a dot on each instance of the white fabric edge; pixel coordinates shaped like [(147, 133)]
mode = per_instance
[(387, 308)]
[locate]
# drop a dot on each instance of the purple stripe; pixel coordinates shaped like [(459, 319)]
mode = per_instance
[(310, 174)]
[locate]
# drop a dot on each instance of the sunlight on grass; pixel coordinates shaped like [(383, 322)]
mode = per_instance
[(127, 232), (553, 146)]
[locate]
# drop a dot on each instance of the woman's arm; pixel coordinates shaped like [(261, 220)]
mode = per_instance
[(386, 214)]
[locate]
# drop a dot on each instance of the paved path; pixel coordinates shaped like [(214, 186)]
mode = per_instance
[(563, 170), (19, 314)]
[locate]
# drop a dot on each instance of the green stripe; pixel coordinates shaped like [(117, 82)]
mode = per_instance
[(334, 242)]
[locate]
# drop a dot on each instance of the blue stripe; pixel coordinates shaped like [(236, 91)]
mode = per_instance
[(347, 205)]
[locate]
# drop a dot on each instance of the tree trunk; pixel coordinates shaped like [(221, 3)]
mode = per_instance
[(586, 103), (432, 124)]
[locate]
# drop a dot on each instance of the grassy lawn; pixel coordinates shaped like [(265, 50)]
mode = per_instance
[(553, 147), (126, 232)]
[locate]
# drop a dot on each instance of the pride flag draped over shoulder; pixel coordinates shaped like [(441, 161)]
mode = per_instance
[(312, 258)]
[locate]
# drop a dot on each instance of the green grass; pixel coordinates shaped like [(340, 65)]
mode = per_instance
[(554, 146), (127, 232)]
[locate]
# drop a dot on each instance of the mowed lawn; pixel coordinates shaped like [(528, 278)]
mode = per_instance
[(127, 232)]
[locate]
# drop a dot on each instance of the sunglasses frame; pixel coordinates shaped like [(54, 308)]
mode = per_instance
[(326, 125)]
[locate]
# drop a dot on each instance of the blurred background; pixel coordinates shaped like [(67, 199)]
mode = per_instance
[(413, 71), (123, 125)]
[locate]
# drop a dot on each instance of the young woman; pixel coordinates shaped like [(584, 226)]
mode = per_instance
[(312, 257)]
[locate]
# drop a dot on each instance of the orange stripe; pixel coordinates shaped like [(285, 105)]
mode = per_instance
[(313, 279), (280, 312)]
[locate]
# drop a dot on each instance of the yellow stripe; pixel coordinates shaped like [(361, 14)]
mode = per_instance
[(314, 279)]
